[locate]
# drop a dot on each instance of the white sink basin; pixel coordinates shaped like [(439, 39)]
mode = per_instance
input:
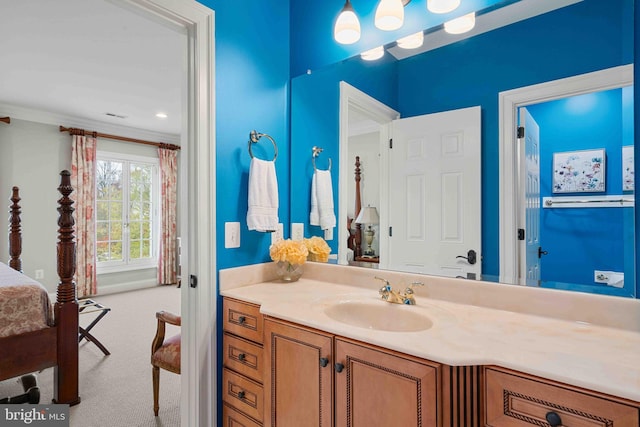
[(379, 316)]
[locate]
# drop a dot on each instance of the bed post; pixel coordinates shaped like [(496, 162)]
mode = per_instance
[(66, 306), (358, 206), (15, 232)]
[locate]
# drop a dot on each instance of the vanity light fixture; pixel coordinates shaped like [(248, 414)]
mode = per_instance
[(373, 54), (461, 25), (412, 41), (442, 6), (347, 28), (389, 15)]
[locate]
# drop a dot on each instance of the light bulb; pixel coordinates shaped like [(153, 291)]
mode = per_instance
[(347, 28), (372, 54), (411, 42), (389, 15), (442, 6), (461, 25)]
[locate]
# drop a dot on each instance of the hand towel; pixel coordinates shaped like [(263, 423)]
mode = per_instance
[(322, 200), (262, 214)]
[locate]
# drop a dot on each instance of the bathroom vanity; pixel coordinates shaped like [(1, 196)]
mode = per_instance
[(327, 351)]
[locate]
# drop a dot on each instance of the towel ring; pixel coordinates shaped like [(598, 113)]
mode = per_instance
[(316, 152), (254, 137)]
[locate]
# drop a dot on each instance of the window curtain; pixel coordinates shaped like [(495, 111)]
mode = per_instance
[(83, 180), (167, 265)]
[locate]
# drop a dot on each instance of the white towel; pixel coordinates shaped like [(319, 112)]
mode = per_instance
[(262, 214), (322, 200)]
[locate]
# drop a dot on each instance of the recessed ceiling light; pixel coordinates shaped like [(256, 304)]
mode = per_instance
[(161, 115)]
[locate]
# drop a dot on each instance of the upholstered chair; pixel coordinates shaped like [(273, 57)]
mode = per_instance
[(165, 354)]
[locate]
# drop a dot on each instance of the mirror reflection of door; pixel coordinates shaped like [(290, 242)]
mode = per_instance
[(529, 135), (589, 241)]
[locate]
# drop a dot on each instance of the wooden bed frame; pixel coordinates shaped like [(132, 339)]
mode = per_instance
[(55, 346)]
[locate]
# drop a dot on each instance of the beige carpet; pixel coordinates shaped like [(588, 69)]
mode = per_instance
[(116, 390)]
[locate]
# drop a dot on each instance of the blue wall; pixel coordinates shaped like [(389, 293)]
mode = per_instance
[(581, 240), (252, 92)]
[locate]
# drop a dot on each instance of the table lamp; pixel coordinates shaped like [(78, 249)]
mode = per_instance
[(368, 216)]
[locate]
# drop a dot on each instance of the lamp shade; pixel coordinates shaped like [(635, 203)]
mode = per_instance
[(413, 41), (442, 6), (347, 28), (389, 15), (373, 54), (461, 25), (368, 215)]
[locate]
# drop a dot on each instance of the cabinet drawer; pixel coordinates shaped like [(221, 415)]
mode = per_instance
[(518, 400), (243, 356), (243, 394), (233, 418), (242, 319)]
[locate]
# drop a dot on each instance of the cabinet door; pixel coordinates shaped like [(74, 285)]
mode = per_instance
[(381, 388), (299, 386)]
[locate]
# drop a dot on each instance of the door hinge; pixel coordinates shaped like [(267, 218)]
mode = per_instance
[(193, 280), (390, 143), (520, 233), (390, 231), (520, 131)]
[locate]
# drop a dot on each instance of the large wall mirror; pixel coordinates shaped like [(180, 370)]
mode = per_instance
[(583, 237)]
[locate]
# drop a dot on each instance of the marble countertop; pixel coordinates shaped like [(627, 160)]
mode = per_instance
[(595, 357)]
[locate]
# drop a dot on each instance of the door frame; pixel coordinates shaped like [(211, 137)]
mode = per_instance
[(508, 104), (198, 176), (350, 97)]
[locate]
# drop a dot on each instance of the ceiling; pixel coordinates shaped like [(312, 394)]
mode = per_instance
[(90, 58)]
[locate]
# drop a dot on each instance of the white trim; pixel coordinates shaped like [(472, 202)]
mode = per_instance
[(198, 202), (383, 115), (509, 102), (127, 286), (57, 119)]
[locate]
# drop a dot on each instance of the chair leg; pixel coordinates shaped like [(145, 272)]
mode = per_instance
[(156, 389)]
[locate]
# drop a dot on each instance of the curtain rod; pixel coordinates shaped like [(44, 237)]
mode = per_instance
[(5, 119), (76, 131)]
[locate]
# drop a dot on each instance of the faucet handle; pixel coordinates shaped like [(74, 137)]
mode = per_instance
[(409, 289), (387, 285)]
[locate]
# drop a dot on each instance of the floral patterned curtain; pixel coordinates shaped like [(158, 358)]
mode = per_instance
[(167, 267), (83, 172)]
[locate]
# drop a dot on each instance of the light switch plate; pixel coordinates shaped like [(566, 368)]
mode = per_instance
[(278, 235), (297, 231), (328, 234), (231, 235)]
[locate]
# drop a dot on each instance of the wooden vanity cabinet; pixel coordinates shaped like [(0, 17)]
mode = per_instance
[(373, 387), (243, 368), (514, 399)]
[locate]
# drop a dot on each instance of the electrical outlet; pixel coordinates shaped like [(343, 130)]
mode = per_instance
[(328, 234), (231, 235), (39, 274), (297, 231), (277, 235)]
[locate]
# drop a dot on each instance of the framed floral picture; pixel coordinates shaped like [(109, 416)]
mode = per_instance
[(628, 170), (579, 171)]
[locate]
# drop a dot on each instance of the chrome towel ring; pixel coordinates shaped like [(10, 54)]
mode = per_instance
[(316, 152), (254, 137)]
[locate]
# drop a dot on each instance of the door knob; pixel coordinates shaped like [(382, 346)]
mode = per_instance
[(471, 257), (541, 252)]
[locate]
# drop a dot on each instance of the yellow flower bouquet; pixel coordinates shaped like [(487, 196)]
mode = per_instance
[(318, 249), (289, 255)]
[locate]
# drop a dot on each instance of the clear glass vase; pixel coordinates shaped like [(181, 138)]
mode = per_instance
[(288, 272)]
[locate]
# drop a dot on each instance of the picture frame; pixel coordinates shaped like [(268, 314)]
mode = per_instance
[(580, 171), (628, 168)]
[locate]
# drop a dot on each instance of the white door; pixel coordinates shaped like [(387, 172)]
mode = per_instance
[(530, 204), (435, 194)]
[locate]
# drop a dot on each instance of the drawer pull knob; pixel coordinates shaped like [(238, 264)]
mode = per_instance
[(242, 357), (241, 395), (242, 319), (339, 367), (553, 419), (324, 362)]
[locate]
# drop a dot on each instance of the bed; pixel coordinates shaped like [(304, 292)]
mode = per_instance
[(35, 334)]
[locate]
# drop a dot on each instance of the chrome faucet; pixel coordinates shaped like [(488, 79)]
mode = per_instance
[(388, 294)]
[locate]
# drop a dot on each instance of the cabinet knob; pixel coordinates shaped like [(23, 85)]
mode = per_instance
[(242, 319), (242, 357), (553, 419), (339, 367), (324, 362), (241, 394)]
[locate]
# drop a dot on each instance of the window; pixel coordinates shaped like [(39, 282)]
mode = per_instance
[(126, 212)]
